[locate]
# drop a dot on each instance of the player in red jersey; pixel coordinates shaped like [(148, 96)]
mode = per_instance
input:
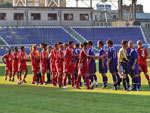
[(142, 57), (15, 63), (7, 59), (53, 65), (22, 65), (83, 66), (68, 66), (43, 63), (59, 64), (34, 63)]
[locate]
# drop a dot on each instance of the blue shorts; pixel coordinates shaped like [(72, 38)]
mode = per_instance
[(133, 72), (113, 68), (92, 68), (123, 67), (101, 69)]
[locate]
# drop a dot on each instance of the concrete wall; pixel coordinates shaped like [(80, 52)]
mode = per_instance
[(44, 16)]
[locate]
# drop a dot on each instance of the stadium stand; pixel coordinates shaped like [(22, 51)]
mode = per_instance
[(51, 34), (117, 34), (35, 35)]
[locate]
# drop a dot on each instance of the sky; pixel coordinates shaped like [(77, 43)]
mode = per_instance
[(145, 3)]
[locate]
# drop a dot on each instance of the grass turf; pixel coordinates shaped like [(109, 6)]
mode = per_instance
[(28, 98)]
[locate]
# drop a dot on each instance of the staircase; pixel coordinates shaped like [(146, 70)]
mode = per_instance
[(74, 34)]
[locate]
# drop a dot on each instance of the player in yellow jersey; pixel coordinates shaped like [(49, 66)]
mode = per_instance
[(122, 64)]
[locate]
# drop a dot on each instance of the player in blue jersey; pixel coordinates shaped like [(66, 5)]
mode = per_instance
[(112, 61), (133, 68), (103, 63), (92, 64)]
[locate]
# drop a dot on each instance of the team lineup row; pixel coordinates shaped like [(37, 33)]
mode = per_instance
[(68, 61)]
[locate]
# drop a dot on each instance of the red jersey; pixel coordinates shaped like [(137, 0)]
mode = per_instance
[(83, 63), (142, 54), (22, 58), (34, 59), (43, 58), (68, 56), (58, 57), (83, 57), (53, 56), (15, 58), (8, 59)]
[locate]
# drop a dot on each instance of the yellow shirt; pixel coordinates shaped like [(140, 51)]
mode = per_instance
[(122, 54)]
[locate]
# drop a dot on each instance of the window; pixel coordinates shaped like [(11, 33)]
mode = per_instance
[(114, 17), (2, 16), (52, 16), (68, 16), (18, 16), (84, 17), (35, 16), (147, 25)]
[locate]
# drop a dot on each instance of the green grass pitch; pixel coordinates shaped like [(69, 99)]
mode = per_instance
[(28, 98)]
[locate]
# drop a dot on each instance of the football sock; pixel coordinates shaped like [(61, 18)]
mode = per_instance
[(124, 83), (72, 80), (87, 81), (128, 81), (105, 81), (91, 79), (133, 84), (137, 82), (114, 78), (147, 77), (48, 77), (95, 78), (118, 78), (140, 79)]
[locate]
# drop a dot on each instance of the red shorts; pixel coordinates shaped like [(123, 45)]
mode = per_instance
[(83, 69), (68, 68), (143, 67), (59, 68), (8, 68), (23, 68), (15, 68), (53, 68), (35, 68)]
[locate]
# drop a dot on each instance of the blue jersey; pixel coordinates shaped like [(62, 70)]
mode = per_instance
[(132, 56), (101, 53), (77, 52), (128, 53), (91, 53), (112, 54)]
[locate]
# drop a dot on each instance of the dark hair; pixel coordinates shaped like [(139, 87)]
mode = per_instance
[(77, 45), (70, 42), (16, 47), (90, 42), (60, 43), (124, 42), (109, 42), (85, 43), (22, 47), (42, 44), (66, 44), (100, 42), (55, 44)]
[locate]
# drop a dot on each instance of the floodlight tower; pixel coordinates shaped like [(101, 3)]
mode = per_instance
[(48, 3), (18, 2), (134, 10)]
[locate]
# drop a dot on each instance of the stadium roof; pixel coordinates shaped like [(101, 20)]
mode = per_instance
[(49, 7)]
